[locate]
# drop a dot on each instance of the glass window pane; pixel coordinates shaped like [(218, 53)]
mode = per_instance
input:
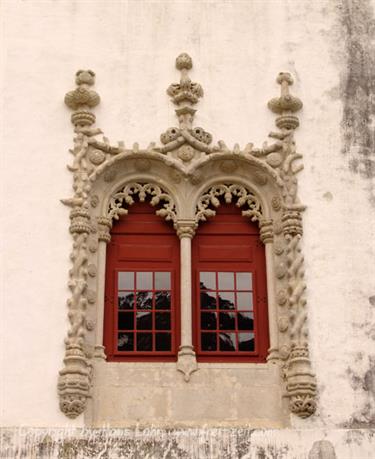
[(162, 281), (208, 341), (208, 320), (126, 321), (125, 342), (227, 341), (162, 300), (144, 300), (244, 281), (125, 300), (126, 281), (245, 301), (245, 321), (226, 300), (227, 321), (246, 341), (144, 321), (144, 341), (144, 281), (162, 321), (207, 281), (208, 301), (226, 281), (163, 342)]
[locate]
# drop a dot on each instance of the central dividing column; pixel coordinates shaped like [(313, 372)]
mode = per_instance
[(187, 362), (266, 235)]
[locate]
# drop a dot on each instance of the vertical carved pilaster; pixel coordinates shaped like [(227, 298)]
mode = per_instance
[(300, 380), (187, 362), (75, 378)]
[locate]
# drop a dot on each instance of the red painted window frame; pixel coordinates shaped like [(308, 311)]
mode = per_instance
[(229, 225), (141, 224)]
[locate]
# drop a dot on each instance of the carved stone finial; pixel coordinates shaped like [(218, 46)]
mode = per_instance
[(82, 99), (186, 93), (286, 104)]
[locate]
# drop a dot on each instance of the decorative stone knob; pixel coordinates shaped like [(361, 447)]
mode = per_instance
[(184, 61), (85, 77)]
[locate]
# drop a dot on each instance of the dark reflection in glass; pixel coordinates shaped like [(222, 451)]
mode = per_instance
[(125, 342), (144, 320), (163, 280), (245, 321), (226, 281), (208, 301), (125, 300), (207, 281), (162, 300), (208, 320), (208, 341), (244, 281), (246, 341), (144, 281), (244, 301), (126, 321), (126, 281), (227, 321), (144, 341), (226, 300), (144, 300), (163, 342), (162, 321), (227, 341)]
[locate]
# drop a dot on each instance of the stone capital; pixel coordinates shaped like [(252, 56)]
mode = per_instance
[(185, 228)]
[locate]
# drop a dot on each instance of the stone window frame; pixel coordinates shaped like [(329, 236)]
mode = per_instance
[(183, 178)]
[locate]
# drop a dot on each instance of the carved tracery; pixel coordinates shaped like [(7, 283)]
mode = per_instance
[(243, 198), (187, 159), (142, 191)]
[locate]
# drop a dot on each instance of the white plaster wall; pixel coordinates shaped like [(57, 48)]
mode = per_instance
[(238, 47)]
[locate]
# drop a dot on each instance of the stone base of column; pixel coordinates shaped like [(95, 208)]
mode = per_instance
[(99, 353), (273, 355), (187, 362)]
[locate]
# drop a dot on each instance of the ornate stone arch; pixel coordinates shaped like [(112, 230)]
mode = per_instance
[(183, 178)]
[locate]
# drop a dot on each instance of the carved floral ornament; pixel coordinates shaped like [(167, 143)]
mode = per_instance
[(185, 178)]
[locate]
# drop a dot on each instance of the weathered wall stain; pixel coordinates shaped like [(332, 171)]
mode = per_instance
[(322, 449), (358, 85), (364, 382)]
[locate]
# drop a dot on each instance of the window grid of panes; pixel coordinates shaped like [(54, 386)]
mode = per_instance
[(144, 312), (226, 312)]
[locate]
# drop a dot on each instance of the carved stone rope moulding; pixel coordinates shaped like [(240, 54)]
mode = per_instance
[(185, 178)]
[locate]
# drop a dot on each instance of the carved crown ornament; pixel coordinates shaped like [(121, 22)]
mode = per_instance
[(185, 177)]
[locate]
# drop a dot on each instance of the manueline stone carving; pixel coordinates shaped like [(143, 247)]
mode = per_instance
[(301, 383), (185, 177), (243, 197), (128, 195)]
